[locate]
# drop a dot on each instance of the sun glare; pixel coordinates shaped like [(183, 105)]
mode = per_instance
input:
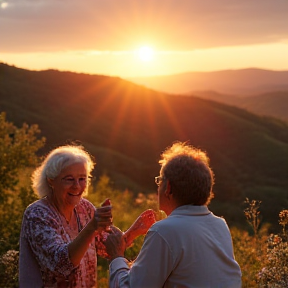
[(145, 53), (4, 5)]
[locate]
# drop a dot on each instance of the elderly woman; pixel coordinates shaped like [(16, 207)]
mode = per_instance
[(61, 231)]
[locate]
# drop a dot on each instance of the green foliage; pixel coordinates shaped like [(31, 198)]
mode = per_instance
[(249, 253), (17, 150), (9, 269), (263, 258), (11, 218), (275, 270), (18, 147)]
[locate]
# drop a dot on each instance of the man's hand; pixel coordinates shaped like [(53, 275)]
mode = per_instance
[(115, 243)]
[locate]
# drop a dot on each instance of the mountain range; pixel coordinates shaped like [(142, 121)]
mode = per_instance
[(273, 103), (240, 82), (126, 126), (263, 92)]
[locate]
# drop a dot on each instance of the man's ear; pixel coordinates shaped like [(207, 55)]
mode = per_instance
[(168, 188)]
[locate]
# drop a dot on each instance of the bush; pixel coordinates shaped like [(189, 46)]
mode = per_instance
[(9, 269)]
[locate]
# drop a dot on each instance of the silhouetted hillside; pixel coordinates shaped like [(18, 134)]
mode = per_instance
[(236, 82), (273, 104), (126, 127)]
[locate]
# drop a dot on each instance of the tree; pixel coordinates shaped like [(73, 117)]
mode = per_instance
[(18, 147)]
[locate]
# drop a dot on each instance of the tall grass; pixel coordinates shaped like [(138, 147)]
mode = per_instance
[(263, 257)]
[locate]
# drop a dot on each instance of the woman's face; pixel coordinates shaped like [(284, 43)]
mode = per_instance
[(69, 185)]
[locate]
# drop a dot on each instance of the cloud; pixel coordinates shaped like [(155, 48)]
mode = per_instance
[(53, 25)]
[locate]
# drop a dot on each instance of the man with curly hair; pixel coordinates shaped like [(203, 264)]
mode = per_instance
[(191, 247)]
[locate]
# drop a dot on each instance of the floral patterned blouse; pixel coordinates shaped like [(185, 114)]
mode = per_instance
[(45, 238)]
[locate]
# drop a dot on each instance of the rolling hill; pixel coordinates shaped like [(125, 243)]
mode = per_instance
[(241, 82), (126, 126), (274, 104), (264, 92)]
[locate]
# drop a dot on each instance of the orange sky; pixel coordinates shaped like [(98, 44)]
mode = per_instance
[(102, 37)]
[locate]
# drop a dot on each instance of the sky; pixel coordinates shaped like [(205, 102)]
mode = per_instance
[(106, 36)]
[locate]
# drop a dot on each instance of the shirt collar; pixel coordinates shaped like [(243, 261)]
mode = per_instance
[(191, 210)]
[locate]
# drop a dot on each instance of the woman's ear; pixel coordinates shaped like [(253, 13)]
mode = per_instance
[(50, 182)]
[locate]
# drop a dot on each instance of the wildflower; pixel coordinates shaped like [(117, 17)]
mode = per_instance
[(283, 216)]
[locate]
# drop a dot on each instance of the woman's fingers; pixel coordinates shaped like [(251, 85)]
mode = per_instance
[(106, 202), (103, 217)]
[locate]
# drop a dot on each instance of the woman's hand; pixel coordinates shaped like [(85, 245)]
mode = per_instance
[(140, 226), (103, 216), (96, 228)]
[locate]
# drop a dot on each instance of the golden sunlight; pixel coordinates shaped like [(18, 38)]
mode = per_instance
[(145, 53), (4, 5)]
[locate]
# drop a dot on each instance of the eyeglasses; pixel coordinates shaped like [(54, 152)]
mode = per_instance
[(70, 181), (159, 179)]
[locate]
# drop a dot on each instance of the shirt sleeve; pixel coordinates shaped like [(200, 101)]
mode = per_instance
[(119, 270), (151, 268), (44, 235)]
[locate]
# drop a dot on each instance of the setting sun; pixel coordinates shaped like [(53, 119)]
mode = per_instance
[(145, 53)]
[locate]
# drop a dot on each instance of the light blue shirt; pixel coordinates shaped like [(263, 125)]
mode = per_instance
[(191, 248)]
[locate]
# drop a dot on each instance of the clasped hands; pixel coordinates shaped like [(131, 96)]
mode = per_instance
[(117, 241), (114, 242)]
